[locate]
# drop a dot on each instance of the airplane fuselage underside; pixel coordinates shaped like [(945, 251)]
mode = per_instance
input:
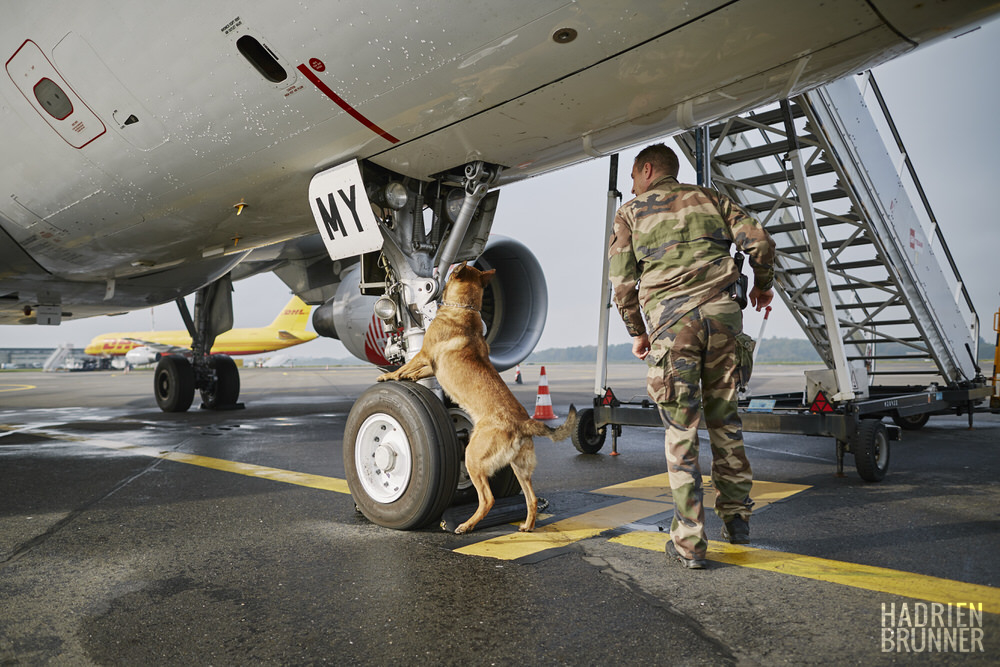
[(159, 136)]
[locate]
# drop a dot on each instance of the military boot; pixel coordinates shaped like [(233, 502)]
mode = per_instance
[(736, 530), (689, 563)]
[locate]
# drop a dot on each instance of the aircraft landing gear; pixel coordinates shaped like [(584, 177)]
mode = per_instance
[(215, 376), (222, 391), (173, 384), (402, 456)]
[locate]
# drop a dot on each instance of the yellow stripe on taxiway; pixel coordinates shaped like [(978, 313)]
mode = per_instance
[(512, 546), (249, 469), (16, 387), (867, 577), (645, 498)]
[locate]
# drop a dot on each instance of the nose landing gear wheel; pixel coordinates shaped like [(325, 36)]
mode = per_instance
[(400, 455), (503, 483)]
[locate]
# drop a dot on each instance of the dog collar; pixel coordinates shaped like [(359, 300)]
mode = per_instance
[(459, 305)]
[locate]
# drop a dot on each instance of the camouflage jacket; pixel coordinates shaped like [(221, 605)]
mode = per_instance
[(669, 253)]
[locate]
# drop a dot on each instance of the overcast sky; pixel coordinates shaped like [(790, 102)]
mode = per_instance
[(944, 99)]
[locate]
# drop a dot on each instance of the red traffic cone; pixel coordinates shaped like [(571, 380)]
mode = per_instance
[(543, 402)]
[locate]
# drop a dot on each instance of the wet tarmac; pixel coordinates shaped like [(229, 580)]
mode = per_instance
[(128, 536)]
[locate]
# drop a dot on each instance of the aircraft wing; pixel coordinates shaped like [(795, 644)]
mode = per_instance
[(159, 348)]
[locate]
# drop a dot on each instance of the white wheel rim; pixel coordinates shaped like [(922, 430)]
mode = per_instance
[(881, 451), (383, 458)]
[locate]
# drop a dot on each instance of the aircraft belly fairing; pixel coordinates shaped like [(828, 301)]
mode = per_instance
[(20, 297)]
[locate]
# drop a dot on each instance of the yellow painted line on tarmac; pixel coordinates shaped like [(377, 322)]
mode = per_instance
[(657, 487), (866, 577), (248, 469), (646, 497), (261, 472), (562, 533), (15, 387)]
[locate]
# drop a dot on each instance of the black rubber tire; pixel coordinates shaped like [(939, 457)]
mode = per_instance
[(173, 384), (587, 438), (870, 446), (911, 423), (225, 391), (503, 483), (432, 448)]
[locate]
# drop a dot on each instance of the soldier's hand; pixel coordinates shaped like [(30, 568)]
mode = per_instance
[(760, 299), (640, 346)]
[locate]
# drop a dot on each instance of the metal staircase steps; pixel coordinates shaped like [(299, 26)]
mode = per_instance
[(854, 259)]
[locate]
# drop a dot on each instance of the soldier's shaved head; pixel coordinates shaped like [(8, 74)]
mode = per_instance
[(662, 158)]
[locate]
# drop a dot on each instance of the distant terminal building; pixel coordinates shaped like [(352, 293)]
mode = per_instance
[(35, 357)]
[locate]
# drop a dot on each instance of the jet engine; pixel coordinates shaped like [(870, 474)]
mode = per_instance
[(142, 355), (515, 304)]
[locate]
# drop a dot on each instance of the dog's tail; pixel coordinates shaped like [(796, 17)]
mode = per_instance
[(561, 432)]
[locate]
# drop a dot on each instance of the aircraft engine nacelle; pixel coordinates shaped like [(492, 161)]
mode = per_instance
[(142, 355), (515, 304)]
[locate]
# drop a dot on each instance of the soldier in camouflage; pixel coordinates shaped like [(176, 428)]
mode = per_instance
[(670, 260)]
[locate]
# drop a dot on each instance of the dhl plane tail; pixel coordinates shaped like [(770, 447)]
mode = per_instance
[(287, 329), (292, 320)]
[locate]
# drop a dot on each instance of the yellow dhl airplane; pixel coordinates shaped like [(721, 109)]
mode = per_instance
[(146, 347)]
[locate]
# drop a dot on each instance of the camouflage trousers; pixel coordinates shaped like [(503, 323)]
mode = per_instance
[(694, 370)]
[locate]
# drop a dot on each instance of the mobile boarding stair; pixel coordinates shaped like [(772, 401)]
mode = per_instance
[(863, 269)]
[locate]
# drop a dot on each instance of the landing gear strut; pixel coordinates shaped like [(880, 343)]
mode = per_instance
[(402, 455), (215, 376)]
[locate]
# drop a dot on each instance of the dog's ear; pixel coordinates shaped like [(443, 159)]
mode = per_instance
[(486, 276)]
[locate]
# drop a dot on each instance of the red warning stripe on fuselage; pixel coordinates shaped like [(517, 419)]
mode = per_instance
[(344, 105)]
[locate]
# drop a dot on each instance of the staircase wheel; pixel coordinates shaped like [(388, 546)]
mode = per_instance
[(912, 422), (870, 446), (587, 438)]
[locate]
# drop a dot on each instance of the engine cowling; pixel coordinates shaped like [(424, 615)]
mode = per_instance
[(141, 356), (515, 304)]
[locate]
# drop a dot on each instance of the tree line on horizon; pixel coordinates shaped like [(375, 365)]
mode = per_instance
[(771, 350)]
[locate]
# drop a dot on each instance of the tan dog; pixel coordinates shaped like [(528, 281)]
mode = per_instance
[(455, 351)]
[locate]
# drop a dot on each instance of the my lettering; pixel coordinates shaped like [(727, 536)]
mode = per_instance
[(331, 216), (352, 204)]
